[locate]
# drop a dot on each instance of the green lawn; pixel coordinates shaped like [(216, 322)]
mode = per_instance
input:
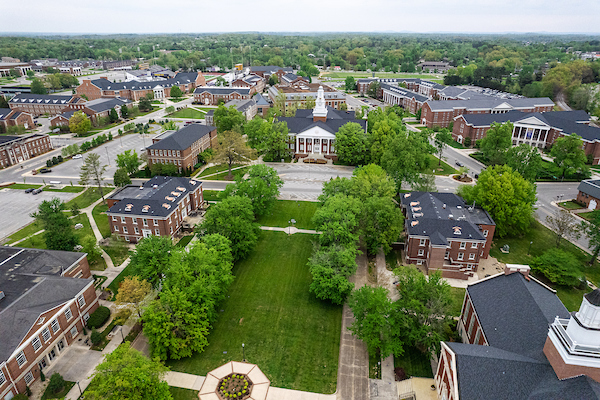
[(30, 229), (205, 109), (22, 186), (224, 176), (456, 145), (284, 210), (101, 219), (118, 252), (183, 394), (393, 258), (444, 169), (188, 113), (292, 336), (176, 100), (218, 168), (66, 189), (59, 395), (185, 240), (414, 363), (542, 239), (86, 198), (458, 296), (588, 215), (211, 195)]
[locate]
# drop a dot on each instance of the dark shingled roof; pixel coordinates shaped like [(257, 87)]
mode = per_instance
[(594, 297), (222, 90), (183, 138), (335, 120), (181, 78), (488, 103), (590, 187), (103, 104)]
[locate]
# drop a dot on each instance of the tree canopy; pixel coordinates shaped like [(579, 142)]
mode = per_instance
[(80, 123), (58, 229), (569, 155)]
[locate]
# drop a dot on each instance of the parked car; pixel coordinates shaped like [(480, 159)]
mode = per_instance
[(29, 190), (476, 176), (458, 163), (77, 156), (36, 191), (45, 170), (34, 172)]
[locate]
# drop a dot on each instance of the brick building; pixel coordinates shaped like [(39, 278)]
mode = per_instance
[(535, 129), (16, 149), (292, 79), (434, 66), (40, 104), (10, 117), (134, 91), (298, 94), (446, 234), (589, 193), (247, 107), (181, 147), (266, 71), (262, 105), (46, 297), (407, 99), (255, 83), (442, 112), (508, 349), (95, 109), (210, 95), (158, 207), (421, 86)]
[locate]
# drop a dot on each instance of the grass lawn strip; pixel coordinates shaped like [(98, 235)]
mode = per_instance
[(188, 113), (114, 285), (218, 168), (101, 219), (570, 205), (224, 176), (86, 198), (211, 195), (30, 229), (458, 297), (61, 394), (66, 189), (22, 186), (183, 394), (434, 163), (284, 210), (293, 336), (414, 363)]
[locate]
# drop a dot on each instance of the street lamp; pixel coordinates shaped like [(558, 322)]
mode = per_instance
[(122, 337), (243, 353), (529, 249), (80, 392)]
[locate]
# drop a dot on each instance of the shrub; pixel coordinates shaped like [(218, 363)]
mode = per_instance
[(98, 317), (56, 384), (122, 315), (95, 337), (558, 266), (467, 142), (20, 396)]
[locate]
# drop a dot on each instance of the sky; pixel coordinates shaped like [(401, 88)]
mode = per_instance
[(197, 16)]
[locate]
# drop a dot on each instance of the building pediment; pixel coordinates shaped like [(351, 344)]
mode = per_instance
[(316, 132), (503, 106), (531, 121)]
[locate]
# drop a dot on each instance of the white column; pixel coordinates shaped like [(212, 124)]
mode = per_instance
[(297, 148)]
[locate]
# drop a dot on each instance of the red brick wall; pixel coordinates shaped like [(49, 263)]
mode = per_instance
[(585, 199), (565, 371), (91, 91)]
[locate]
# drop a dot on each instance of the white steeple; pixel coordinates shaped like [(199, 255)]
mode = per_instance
[(320, 111)]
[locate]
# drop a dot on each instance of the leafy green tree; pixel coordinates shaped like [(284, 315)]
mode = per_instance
[(496, 142), (564, 225), (121, 178), (90, 246), (371, 181), (442, 138), (273, 80), (113, 116), (129, 161), (92, 170), (261, 187), (126, 374), (228, 119), (351, 144), (569, 155), (233, 218), (373, 90), (350, 84), (176, 92), (231, 148), (58, 230), (133, 290), (338, 220), (425, 183), (335, 186), (383, 128), (526, 160), (56, 384), (145, 104), (558, 266), (80, 123), (506, 196), (591, 230), (151, 257), (124, 111), (381, 223), (330, 268), (37, 86)]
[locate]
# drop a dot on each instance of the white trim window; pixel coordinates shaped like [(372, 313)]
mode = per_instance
[(29, 378), (74, 331), (36, 343), (125, 230), (157, 232), (155, 222), (145, 222), (123, 220), (422, 242), (21, 359), (86, 316), (136, 230), (472, 256), (55, 326), (2, 378), (447, 255), (421, 252), (419, 262), (116, 228), (461, 256), (485, 233), (114, 217), (46, 334), (68, 314), (463, 245), (81, 300), (474, 245)]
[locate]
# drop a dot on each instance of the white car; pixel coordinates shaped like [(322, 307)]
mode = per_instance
[(77, 156)]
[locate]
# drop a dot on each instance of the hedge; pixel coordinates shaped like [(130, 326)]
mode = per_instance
[(98, 317)]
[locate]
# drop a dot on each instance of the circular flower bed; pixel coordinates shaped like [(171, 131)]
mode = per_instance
[(235, 386)]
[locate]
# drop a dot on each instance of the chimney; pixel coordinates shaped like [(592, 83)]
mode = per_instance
[(512, 268)]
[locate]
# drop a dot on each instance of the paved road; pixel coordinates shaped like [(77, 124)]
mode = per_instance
[(305, 181)]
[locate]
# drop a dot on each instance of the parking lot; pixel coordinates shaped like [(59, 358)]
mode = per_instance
[(18, 205)]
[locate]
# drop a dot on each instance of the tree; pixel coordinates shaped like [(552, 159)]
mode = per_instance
[(124, 111), (273, 80), (129, 161), (37, 86), (371, 181), (350, 84), (133, 290), (591, 230), (425, 183), (569, 155), (145, 104), (176, 92), (351, 144), (113, 116), (381, 223), (496, 142), (92, 170), (506, 196), (330, 268), (426, 304), (279, 104), (375, 321), (526, 160), (90, 246), (233, 218), (338, 220), (58, 230), (558, 266), (373, 90), (406, 156), (121, 178), (151, 257), (79, 123), (261, 187), (227, 119), (564, 224), (56, 384), (442, 138), (231, 148), (126, 374)]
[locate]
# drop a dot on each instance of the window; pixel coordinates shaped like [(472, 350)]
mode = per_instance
[(68, 314), (114, 218), (485, 233), (55, 326), (81, 300), (422, 242), (134, 220), (472, 256), (86, 316), (136, 230), (46, 334), (157, 232), (36, 344), (74, 331), (145, 222), (28, 378), (447, 255), (123, 220), (2, 378), (419, 262), (421, 252), (463, 245), (155, 222), (125, 229), (461, 256), (127, 238), (21, 359), (473, 245), (116, 228)]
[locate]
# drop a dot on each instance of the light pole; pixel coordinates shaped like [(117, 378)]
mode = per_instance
[(243, 352), (529, 249), (80, 392), (122, 337)]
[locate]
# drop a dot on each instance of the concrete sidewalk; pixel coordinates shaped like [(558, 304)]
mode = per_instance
[(290, 230)]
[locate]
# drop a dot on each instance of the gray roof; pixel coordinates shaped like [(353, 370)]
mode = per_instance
[(181, 78), (30, 98), (269, 68), (240, 105), (590, 187), (404, 92), (593, 297), (335, 120), (183, 138), (4, 113), (103, 104), (153, 193), (260, 100), (222, 90), (488, 102)]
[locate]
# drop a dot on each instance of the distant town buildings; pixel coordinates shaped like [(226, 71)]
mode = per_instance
[(210, 95), (247, 107), (300, 92), (9, 117), (40, 104), (16, 149), (434, 66)]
